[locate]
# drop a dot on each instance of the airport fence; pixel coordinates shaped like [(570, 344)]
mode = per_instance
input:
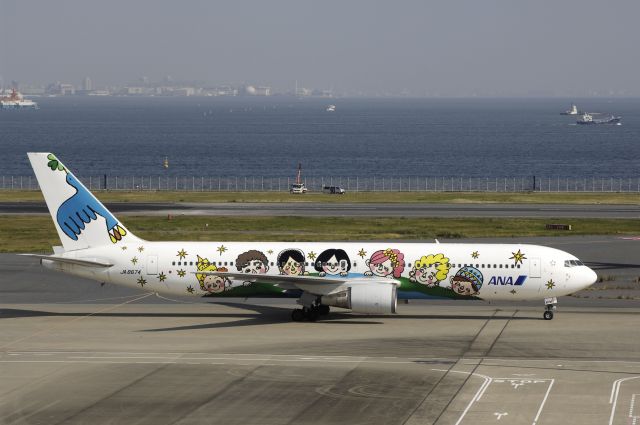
[(349, 184)]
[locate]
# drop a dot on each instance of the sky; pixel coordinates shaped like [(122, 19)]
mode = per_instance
[(421, 47)]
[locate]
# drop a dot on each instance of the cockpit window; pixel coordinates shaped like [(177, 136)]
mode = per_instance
[(573, 263)]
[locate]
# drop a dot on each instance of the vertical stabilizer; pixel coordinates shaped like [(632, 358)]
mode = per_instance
[(80, 218)]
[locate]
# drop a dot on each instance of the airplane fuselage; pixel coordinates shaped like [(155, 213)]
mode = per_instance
[(422, 270)]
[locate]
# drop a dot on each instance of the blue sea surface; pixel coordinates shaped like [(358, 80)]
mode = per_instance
[(225, 137)]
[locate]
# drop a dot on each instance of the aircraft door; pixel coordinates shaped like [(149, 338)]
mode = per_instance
[(152, 264), (534, 267)]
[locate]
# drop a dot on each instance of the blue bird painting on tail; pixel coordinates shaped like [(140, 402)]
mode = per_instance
[(82, 208)]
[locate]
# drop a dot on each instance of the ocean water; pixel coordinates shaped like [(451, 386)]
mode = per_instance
[(226, 137)]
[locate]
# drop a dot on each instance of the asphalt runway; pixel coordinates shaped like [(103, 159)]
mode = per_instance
[(75, 352), (321, 209)]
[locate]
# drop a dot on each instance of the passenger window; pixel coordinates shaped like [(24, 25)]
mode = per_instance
[(173, 263)]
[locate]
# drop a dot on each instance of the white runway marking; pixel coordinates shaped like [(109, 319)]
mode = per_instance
[(20, 418), (613, 398), (544, 400), (634, 418), (515, 385)]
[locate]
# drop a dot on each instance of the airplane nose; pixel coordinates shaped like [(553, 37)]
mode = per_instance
[(588, 278)]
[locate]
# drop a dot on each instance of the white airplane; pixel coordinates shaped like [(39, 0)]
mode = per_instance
[(361, 276)]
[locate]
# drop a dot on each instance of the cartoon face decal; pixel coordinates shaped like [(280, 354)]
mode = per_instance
[(215, 284), (467, 281), (291, 262), (386, 263), (333, 262), (430, 270), (211, 283), (82, 208), (252, 262)]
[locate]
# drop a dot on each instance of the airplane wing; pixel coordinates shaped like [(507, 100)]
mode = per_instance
[(77, 261), (313, 284)]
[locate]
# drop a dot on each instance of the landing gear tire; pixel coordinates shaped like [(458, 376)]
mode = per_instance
[(550, 305), (297, 315), (323, 310), (312, 314)]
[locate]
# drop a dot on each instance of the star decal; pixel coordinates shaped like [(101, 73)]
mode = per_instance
[(518, 257), (181, 273), (362, 253), (550, 284), (513, 291), (221, 249), (142, 282), (134, 260), (182, 254), (475, 254), (190, 289), (270, 252), (140, 248), (311, 255), (162, 277), (124, 248)]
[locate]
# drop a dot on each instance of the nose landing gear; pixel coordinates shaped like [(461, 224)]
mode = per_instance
[(550, 306)]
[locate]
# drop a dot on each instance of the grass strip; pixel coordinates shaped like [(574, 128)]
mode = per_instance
[(21, 233), (359, 197)]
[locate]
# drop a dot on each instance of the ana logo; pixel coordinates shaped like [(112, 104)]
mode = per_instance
[(507, 280)]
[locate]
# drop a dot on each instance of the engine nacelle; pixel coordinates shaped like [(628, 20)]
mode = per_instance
[(378, 298)]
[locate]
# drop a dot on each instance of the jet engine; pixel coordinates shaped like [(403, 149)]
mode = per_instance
[(378, 298)]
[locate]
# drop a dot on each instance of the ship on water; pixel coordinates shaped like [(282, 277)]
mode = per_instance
[(15, 100), (571, 111), (587, 119)]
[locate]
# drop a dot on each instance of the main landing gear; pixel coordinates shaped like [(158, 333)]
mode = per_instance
[(550, 305), (311, 308), (309, 313)]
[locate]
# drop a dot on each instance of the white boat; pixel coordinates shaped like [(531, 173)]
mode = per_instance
[(16, 101), (572, 111), (331, 108)]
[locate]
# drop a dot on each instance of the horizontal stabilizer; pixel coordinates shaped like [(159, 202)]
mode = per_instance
[(65, 260)]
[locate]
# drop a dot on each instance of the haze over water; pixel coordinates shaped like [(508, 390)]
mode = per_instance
[(223, 137)]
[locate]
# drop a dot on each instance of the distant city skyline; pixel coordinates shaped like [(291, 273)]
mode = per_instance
[(461, 48)]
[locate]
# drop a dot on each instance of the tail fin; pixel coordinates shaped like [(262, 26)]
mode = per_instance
[(81, 220)]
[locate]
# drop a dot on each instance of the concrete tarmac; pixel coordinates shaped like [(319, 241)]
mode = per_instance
[(321, 209), (75, 352)]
